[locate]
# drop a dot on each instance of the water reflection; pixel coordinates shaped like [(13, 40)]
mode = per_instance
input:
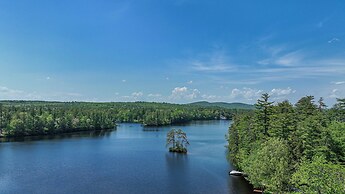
[(178, 170), (239, 185), (93, 134)]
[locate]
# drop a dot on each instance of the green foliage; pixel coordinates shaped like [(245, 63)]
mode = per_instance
[(263, 113), (338, 111), (19, 118), (268, 165), (319, 176), (281, 139), (282, 120), (337, 136), (305, 107), (178, 141), (239, 106)]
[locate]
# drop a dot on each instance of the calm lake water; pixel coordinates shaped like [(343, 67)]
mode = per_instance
[(131, 159)]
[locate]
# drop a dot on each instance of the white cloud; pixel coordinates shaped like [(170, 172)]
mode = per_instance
[(338, 83), (137, 94), (179, 90), (190, 82), (179, 93), (249, 94), (154, 95), (290, 59), (333, 40), (47, 78), (246, 93), (210, 97), (195, 94), (123, 80), (281, 92)]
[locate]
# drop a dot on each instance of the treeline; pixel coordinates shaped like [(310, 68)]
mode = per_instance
[(20, 118), (287, 148)]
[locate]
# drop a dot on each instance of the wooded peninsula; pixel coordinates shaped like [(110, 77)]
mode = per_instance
[(287, 148), (25, 118)]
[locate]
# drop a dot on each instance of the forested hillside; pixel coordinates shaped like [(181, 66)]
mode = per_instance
[(284, 147), (234, 105), (20, 118)]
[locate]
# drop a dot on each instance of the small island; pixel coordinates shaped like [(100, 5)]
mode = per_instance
[(178, 141)]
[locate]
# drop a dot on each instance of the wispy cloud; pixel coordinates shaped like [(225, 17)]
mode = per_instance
[(212, 67), (290, 59), (334, 93), (333, 40), (338, 82), (154, 95), (13, 94), (270, 62), (322, 22), (10, 93), (214, 62)]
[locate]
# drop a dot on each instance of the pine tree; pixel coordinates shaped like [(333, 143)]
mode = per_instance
[(178, 140), (305, 107), (321, 104), (263, 113)]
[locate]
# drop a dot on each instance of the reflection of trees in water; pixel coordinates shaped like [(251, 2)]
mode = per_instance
[(92, 134), (239, 185), (177, 166)]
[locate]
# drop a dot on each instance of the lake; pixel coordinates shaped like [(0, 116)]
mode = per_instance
[(131, 159)]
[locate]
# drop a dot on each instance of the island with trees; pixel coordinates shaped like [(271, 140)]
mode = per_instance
[(177, 140), (287, 148)]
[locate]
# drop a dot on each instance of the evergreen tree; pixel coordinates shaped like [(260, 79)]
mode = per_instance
[(321, 104), (268, 166), (283, 120), (340, 103), (178, 140), (319, 176), (305, 107), (263, 113), (297, 138)]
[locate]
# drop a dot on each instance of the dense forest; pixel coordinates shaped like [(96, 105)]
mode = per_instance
[(21, 118), (234, 105), (287, 148)]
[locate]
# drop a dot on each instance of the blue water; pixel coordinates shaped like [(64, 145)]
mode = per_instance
[(131, 159)]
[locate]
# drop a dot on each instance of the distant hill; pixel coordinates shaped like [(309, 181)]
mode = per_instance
[(234, 105)]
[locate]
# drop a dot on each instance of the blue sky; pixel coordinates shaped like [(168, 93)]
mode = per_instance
[(174, 51)]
